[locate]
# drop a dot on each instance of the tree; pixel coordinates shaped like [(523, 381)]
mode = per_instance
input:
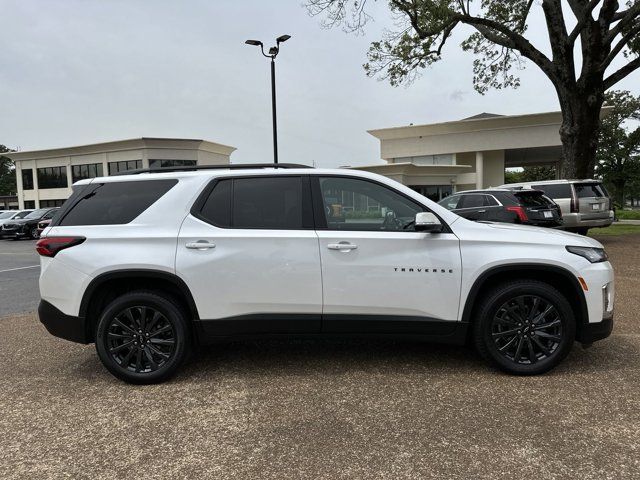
[(7, 173), (530, 174), (618, 151), (605, 30)]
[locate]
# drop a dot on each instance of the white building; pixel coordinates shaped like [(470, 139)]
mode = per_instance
[(44, 177), (441, 158)]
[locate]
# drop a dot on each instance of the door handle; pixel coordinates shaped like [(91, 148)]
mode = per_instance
[(342, 246), (200, 245)]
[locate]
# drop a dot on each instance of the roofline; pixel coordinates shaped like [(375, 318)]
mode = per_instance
[(470, 125), (118, 145)]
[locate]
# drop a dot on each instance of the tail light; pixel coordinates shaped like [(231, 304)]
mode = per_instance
[(522, 215), (50, 246)]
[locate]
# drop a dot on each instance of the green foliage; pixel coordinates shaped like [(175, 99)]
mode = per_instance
[(615, 229), (618, 155), (530, 174), (7, 173), (628, 214)]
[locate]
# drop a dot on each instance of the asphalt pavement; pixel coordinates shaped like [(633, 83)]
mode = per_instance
[(19, 271)]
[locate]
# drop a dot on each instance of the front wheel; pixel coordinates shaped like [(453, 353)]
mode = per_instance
[(524, 327), (142, 337)]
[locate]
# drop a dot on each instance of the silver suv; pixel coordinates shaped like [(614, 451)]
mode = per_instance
[(585, 204)]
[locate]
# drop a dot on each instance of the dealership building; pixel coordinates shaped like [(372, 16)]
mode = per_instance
[(441, 158), (434, 159), (44, 177)]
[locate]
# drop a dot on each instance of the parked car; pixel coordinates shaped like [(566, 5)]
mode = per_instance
[(27, 227), (149, 265), (9, 215), (529, 207), (42, 225), (585, 204)]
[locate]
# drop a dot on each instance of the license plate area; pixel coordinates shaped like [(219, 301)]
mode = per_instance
[(547, 214), (595, 206)]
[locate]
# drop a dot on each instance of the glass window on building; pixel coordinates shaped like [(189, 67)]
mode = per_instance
[(29, 204), (89, 170), (434, 192), (52, 177), (117, 167), (50, 203), (27, 179), (171, 163)]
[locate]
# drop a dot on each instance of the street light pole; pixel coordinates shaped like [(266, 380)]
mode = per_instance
[(273, 53)]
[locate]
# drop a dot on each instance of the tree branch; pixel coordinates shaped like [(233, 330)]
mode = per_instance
[(621, 44), (629, 16), (583, 17), (618, 75)]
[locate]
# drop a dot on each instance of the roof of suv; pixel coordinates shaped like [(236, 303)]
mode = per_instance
[(550, 182)]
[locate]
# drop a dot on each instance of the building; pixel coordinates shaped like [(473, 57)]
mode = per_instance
[(441, 158), (8, 202), (44, 177)]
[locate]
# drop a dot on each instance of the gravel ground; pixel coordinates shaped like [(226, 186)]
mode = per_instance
[(326, 409)]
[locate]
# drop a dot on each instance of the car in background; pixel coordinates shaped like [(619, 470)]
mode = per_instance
[(585, 204), (27, 227), (42, 225), (527, 207), (9, 215)]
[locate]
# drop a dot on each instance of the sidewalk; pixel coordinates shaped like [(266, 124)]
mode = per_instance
[(628, 222)]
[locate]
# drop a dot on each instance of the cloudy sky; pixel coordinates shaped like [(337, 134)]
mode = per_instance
[(81, 71)]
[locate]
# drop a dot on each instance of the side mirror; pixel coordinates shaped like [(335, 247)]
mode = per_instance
[(427, 222)]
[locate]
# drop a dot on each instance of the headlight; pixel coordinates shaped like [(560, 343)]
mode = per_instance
[(594, 255)]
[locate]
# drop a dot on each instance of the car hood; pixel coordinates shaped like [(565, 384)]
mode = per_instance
[(508, 232)]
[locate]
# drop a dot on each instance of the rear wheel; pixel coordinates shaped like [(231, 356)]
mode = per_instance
[(524, 327), (34, 233), (142, 337)]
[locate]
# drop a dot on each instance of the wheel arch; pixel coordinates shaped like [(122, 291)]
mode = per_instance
[(560, 278), (105, 287)]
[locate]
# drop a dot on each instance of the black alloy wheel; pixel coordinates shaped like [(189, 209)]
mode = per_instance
[(527, 329), (142, 337), (34, 233), (524, 327)]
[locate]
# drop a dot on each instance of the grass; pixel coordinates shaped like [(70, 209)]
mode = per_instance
[(628, 214), (615, 229)]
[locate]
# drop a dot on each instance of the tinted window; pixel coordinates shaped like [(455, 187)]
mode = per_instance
[(23, 214), (49, 215), (269, 202), (533, 199), (90, 170), (555, 190), (37, 213), (490, 201), (51, 203), (27, 179), (217, 208), (360, 205), (116, 167), (29, 204), (52, 177), (450, 202), (116, 203), (588, 190), (472, 201), (171, 163)]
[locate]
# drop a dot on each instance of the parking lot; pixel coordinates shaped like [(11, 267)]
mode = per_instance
[(319, 408), (19, 270)]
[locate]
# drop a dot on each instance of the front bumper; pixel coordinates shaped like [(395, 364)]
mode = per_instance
[(592, 332), (62, 325)]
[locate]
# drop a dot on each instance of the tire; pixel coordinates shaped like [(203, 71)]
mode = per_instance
[(153, 352), (538, 343), (33, 233), (582, 230)]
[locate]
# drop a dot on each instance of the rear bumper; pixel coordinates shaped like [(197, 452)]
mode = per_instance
[(577, 220), (592, 332), (62, 325)]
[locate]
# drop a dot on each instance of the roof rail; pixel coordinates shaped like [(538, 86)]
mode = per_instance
[(229, 166)]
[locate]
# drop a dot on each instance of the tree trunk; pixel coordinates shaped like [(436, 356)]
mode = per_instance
[(619, 184), (579, 131)]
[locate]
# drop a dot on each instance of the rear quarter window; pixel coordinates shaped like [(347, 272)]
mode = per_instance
[(115, 203), (533, 199), (555, 190)]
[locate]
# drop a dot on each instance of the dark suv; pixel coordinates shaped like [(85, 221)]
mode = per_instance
[(27, 226), (529, 207)]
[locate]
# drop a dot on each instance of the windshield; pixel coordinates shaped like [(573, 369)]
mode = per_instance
[(6, 215), (37, 213)]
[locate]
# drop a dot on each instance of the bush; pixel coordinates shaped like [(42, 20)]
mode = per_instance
[(628, 214)]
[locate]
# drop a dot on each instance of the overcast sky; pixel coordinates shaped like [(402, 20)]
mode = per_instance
[(74, 72)]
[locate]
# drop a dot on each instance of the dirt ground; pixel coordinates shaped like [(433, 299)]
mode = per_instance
[(326, 409)]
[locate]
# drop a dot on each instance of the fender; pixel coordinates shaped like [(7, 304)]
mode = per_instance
[(144, 273), (540, 267)]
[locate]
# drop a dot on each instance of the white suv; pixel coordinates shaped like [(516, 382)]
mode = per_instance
[(149, 265)]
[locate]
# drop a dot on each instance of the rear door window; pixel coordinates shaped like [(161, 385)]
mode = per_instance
[(115, 203), (276, 203), (473, 201), (555, 190), (451, 202)]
